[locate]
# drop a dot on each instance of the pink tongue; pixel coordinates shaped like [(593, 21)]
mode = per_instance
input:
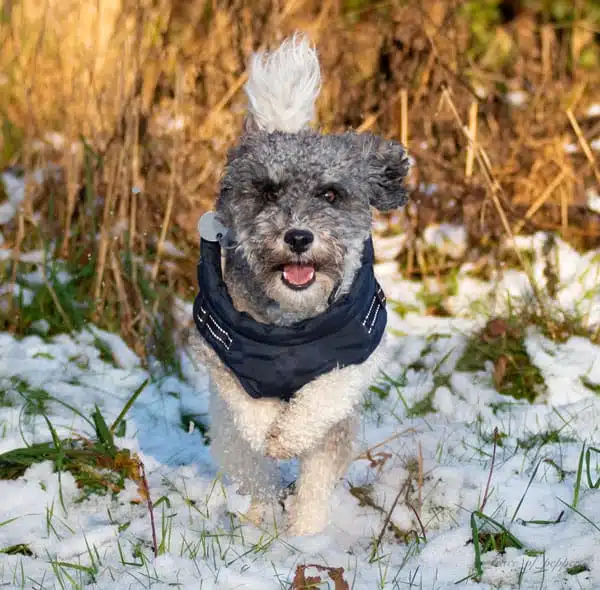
[(297, 274)]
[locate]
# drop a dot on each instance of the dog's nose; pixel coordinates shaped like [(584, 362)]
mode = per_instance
[(298, 239)]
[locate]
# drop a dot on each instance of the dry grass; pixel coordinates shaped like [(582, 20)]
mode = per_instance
[(137, 103)]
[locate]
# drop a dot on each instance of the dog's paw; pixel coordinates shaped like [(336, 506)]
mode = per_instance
[(275, 447), (255, 513), (307, 526)]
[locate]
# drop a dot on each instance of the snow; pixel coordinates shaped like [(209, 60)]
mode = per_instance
[(593, 110), (517, 98), (593, 200), (104, 542), (447, 238), (14, 188)]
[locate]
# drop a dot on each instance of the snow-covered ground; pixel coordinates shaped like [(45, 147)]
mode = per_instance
[(438, 463)]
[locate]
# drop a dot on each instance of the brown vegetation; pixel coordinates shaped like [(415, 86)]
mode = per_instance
[(146, 98)]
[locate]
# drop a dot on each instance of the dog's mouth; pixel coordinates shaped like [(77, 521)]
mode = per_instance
[(298, 276)]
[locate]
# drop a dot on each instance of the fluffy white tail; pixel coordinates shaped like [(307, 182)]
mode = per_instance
[(283, 86)]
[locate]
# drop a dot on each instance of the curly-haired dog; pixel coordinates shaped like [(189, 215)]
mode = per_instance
[(291, 323)]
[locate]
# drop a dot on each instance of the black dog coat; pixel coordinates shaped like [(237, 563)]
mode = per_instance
[(276, 361)]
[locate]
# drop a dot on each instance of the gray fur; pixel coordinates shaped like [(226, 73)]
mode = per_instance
[(272, 184)]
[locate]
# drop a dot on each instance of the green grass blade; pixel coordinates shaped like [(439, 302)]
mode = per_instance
[(588, 456), (476, 547), (104, 434), (128, 405), (526, 490), (580, 514)]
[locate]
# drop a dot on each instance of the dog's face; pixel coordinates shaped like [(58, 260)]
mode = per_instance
[(298, 206)]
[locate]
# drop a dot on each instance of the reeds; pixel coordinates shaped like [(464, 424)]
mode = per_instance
[(138, 102)]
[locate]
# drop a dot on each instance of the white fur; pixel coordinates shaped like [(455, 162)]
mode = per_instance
[(283, 86), (318, 426)]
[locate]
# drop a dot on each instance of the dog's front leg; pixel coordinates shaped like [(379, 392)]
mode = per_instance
[(320, 470), (314, 411)]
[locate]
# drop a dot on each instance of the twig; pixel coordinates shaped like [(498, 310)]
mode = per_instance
[(388, 516), (150, 507), (137, 181), (366, 454), (487, 487), (547, 34), (418, 520), (585, 146), (535, 206), (494, 189), (73, 170)]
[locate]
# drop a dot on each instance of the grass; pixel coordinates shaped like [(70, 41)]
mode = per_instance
[(541, 439), (97, 465), (489, 535), (502, 343)]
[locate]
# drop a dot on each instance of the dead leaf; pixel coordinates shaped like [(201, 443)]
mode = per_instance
[(302, 582), (500, 371)]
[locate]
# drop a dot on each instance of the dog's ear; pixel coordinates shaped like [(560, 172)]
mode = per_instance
[(386, 165)]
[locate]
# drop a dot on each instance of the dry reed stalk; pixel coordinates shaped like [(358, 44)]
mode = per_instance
[(289, 6), (425, 77), (410, 259), (472, 139), (564, 212), (16, 255), (27, 157), (73, 166), (547, 35), (489, 480), (485, 163), (124, 183), (125, 310), (320, 20), (495, 189), (421, 257), (175, 165), (420, 479), (585, 146), (535, 206), (105, 233), (404, 117)]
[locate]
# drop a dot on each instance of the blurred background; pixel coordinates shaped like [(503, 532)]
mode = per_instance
[(116, 116)]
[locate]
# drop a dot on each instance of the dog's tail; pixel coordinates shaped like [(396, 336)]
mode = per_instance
[(283, 86)]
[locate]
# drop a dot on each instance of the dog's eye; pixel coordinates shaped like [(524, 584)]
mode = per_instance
[(329, 195), (269, 191), (270, 195)]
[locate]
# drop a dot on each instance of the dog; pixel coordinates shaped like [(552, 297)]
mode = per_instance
[(296, 208)]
